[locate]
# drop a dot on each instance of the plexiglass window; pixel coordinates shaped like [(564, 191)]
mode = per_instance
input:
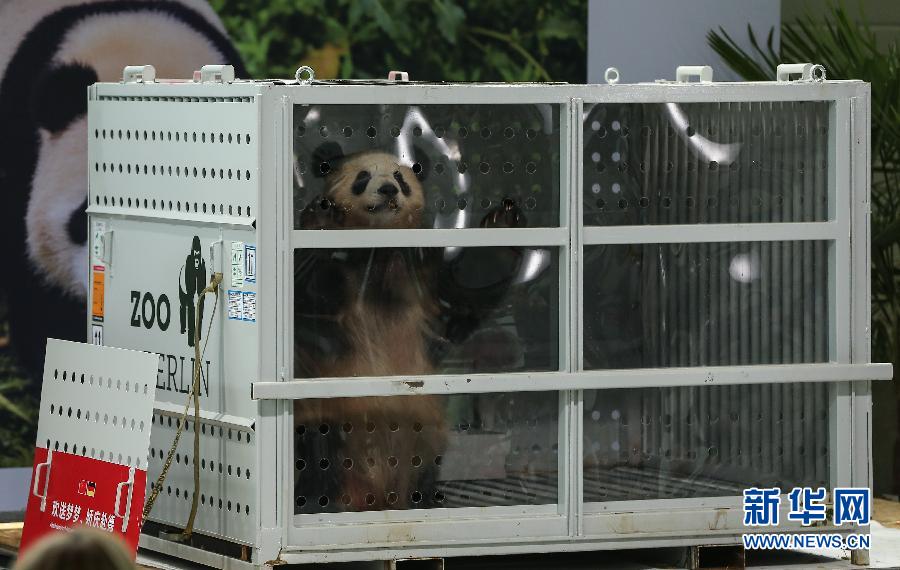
[(694, 163), (698, 304), (426, 166), (704, 441), (419, 452)]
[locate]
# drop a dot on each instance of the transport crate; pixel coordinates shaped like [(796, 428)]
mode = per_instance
[(462, 319)]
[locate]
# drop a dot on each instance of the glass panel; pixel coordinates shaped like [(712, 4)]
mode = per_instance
[(413, 452), (426, 166), (698, 304), (704, 441), (400, 311), (675, 163)]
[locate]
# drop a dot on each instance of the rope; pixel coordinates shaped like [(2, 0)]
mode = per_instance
[(194, 395)]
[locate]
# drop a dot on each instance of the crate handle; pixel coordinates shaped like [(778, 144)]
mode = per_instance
[(130, 484), (37, 478)]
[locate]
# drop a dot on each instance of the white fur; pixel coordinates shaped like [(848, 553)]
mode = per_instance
[(58, 189), (17, 17)]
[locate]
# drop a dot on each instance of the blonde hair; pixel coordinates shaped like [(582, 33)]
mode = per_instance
[(82, 548)]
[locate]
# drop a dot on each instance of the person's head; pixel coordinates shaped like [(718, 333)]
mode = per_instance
[(80, 549)]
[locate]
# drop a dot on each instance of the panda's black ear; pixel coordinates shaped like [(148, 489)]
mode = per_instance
[(421, 163), (60, 95), (325, 158)]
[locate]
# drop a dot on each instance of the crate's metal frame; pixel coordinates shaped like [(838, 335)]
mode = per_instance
[(572, 524)]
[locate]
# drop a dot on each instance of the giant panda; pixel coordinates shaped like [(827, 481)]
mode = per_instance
[(50, 52), (381, 312)]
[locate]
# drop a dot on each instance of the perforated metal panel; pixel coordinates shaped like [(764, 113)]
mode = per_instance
[(175, 155), (97, 402), (227, 482)]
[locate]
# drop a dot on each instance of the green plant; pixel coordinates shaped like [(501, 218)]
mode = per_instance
[(848, 50), (437, 40)]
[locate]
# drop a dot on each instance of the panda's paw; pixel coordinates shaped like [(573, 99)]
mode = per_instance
[(506, 215)]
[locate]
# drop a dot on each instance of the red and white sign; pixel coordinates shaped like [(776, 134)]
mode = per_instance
[(70, 490)]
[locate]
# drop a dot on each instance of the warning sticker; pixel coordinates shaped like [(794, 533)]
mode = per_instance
[(97, 245), (237, 263), (97, 334), (250, 264), (249, 309), (97, 293), (235, 305)]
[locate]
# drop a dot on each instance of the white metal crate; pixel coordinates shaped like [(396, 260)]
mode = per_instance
[(687, 313)]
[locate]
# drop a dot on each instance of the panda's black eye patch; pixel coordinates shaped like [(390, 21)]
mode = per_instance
[(60, 95), (362, 180), (404, 187)]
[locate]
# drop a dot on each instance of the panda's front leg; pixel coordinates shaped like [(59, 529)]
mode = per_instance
[(507, 214)]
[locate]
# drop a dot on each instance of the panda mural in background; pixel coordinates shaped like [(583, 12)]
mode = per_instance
[(50, 52)]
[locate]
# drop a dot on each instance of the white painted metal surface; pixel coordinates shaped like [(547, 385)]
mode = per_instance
[(248, 444), (97, 402)]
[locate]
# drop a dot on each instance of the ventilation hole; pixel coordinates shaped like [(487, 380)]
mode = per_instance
[(301, 501), (392, 461), (370, 499), (416, 461), (484, 167), (348, 463), (370, 426)]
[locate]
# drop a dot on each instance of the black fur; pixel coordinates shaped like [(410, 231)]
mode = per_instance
[(404, 187), (362, 180), (36, 309), (77, 226), (60, 95), (325, 158)]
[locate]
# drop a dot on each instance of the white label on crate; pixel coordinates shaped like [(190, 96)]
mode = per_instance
[(249, 263), (97, 334), (249, 309), (237, 263), (97, 243), (235, 305)]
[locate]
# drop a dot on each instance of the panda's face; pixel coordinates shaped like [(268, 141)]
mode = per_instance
[(372, 189), (96, 49)]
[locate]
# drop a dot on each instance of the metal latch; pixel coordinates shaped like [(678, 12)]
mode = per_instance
[(400, 76), (683, 73), (215, 74), (139, 74), (808, 72)]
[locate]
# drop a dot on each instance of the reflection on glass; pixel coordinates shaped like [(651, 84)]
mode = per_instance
[(704, 441), (425, 166), (677, 163), (402, 311), (665, 305), (412, 452)]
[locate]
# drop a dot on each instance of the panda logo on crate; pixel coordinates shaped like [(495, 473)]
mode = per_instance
[(381, 312), (50, 52), (191, 282)]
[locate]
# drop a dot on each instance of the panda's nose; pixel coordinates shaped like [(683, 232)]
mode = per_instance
[(388, 190), (77, 226)]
